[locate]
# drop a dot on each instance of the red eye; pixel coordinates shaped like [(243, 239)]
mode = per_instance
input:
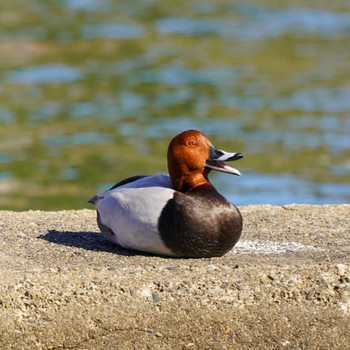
[(191, 143)]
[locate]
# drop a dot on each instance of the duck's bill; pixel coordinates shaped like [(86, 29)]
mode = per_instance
[(217, 158), (223, 167)]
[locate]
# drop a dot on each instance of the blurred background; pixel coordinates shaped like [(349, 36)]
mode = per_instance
[(93, 91)]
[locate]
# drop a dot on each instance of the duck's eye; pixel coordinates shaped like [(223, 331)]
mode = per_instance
[(191, 143)]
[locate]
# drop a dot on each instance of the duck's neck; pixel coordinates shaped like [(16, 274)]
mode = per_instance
[(187, 183)]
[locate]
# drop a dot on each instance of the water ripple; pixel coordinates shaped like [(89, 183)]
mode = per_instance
[(113, 31), (316, 100), (178, 75), (78, 139), (44, 74), (261, 24)]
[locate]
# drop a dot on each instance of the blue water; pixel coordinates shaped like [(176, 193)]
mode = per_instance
[(252, 188)]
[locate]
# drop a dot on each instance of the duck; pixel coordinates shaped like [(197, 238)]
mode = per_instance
[(177, 215)]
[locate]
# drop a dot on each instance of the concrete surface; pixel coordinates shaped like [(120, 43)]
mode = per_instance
[(285, 286)]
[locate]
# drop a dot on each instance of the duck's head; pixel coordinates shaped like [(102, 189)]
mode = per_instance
[(191, 156)]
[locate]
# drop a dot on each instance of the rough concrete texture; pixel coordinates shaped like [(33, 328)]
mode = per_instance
[(285, 286)]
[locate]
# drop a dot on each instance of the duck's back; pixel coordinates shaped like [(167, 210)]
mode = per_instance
[(128, 214)]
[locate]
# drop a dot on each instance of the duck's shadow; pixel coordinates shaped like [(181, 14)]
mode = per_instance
[(86, 240)]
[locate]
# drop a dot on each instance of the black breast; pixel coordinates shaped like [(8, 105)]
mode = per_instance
[(200, 223)]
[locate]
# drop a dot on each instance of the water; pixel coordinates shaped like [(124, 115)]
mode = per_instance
[(92, 92)]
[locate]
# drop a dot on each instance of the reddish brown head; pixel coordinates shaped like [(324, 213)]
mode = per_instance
[(191, 156)]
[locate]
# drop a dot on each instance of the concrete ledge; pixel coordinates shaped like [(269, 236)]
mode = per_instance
[(285, 286)]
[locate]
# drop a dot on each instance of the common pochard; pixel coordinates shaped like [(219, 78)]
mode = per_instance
[(181, 215)]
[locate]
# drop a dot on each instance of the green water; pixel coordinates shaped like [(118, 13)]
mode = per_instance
[(92, 92)]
